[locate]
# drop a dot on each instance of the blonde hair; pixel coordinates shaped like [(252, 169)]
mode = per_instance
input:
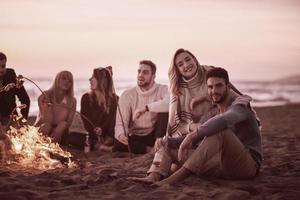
[(174, 75), (52, 92)]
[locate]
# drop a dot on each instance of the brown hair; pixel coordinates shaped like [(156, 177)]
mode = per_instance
[(150, 63), (105, 86), (2, 56), (218, 72)]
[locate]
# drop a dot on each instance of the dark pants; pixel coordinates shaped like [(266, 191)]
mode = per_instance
[(4, 120), (138, 144)]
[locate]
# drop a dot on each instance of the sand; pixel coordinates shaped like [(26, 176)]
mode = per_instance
[(103, 175)]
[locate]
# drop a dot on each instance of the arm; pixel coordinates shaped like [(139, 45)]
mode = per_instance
[(161, 105), (216, 124), (86, 109), (234, 115), (22, 96), (124, 114), (71, 113), (45, 110)]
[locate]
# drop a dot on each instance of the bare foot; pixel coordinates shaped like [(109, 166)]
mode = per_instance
[(178, 176), (163, 182), (151, 178)]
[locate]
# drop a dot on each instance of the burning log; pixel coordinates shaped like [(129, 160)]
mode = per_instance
[(27, 146), (63, 159), (31, 149)]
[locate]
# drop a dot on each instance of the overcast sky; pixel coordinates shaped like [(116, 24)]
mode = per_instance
[(254, 40)]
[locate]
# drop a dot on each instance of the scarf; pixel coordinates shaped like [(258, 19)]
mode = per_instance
[(180, 113)]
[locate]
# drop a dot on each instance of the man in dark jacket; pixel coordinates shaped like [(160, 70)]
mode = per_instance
[(9, 89)]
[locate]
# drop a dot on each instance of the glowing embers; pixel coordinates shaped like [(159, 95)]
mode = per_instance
[(29, 148)]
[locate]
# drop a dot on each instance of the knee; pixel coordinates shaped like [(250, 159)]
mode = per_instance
[(224, 133), (46, 128), (63, 124), (227, 134)]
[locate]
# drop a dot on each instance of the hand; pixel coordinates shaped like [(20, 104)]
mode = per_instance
[(160, 142), (98, 131), (185, 146), (45, 102), (122, 138), (20, 81), (193, 127), (139, 112), (9, 86)]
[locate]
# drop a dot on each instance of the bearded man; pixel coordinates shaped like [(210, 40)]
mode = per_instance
[(142, 112)]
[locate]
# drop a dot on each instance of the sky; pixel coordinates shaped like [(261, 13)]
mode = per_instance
[(253, 40)]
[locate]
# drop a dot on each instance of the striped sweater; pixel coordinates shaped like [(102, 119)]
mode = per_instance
[(180, 113)]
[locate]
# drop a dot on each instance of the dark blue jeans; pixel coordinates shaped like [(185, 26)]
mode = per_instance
[(138, 144)]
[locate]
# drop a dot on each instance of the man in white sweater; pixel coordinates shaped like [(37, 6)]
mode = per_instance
[(142, 113)]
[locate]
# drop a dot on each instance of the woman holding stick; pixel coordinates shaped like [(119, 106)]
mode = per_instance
[(99, 105), (57, 107)]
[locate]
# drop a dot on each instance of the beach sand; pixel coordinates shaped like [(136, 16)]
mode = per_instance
[(103, 175)]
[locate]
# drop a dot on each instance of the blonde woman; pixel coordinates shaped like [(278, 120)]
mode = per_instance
[(57, 107), (189, 108)]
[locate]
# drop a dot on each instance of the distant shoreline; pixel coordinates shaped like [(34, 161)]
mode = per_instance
[(31, 119)]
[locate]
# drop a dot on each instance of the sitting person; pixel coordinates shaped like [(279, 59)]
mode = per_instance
[(189, 106), (230, 145), (9, 90), (135, 133), (99, 106), (57, 107)]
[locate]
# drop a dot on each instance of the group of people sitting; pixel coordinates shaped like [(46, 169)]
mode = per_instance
[(200, 125)]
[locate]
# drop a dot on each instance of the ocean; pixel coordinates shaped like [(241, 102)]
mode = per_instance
[(264, 93)]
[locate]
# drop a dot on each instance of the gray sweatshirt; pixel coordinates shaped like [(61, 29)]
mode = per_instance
[(241, 120)]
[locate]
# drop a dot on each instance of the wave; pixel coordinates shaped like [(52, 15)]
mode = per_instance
[(263, 93)]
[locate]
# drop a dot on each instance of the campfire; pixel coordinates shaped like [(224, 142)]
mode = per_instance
[(29, 148)]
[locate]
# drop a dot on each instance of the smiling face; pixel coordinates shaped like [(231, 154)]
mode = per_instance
[(186, 65), (217, 89), (145, 77)]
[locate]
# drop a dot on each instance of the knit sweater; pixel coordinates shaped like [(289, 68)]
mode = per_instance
[(157, 100)]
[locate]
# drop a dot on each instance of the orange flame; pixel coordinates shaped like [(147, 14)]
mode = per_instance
[(31, 149)]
